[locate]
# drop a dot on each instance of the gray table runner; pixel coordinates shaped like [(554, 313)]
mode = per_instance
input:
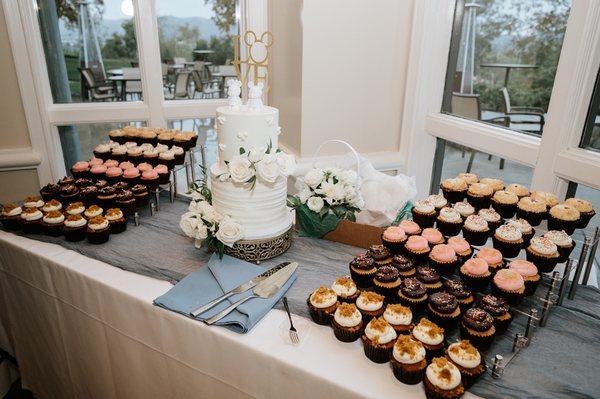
[(560, 362)]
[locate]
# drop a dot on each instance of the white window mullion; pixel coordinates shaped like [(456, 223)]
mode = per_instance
[(66, 114)]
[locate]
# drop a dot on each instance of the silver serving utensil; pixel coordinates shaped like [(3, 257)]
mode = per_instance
[(265, 289), (239, 289)]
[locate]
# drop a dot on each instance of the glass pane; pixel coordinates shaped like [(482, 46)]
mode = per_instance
[(91, 50), (503, 60), (592, 195), (591, 132), (196, 47)]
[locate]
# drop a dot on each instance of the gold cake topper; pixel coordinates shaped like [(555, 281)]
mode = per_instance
[(255, 67)]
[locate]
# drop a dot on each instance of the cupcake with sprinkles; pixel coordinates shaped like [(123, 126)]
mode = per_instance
[(543, 253), (443, 258), (393, 239), (424, 213), (322, 304), (505, 203), (476, 230), (410, 227), (563, 217), (468, 360), (532, 210), (499, 310), (386, 282), (438, 201), (431, 336), (362, 270), (495, 184), (380, 254), (460, 291), (464, 209), (404, 265), (564, 243), (443, 309), (508, 240), (493, 257), (477, 326), (509, 285), (430, 278), (550, 199), (518, 189), (493, 218), (370, 304), (347, 322), (585, 208), (345, 289), (529, 272), (417, 248), (479, 195), (399, 317), (413, 294), (449, 221), (378, 340), (527, 231), (461, 246), (454, 189), (408, 360)]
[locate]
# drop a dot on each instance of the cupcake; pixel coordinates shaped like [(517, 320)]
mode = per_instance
[(380, 254), (408, 360), (443, 310), (449, 221), (347, 322), (76, 208), (101, 183), (183, 140), (585, 208), (433, 236), (378, 340), (493, 218), (50, 191), (83, 182), (31, 220), (399, 317), (88, 195), (549, 199), (80, 169), (431, 336), (442, 380), (405, 266), (499, 310), (95, 161), (144, 167), (386, 282), (102, 151), (11, 217), (131, 176), (126, 165), (75, 227), (393, 239), (113, 174), (370, 305), (150, 179), (150, 157), (509, 285), (493, 257), (475, 274), (98, 230), (543, 253), (167, 158), (438, 201), (93, 211), (163, 174), (148, 136), (117, 135), (179, 155), (454, 189), (423, 213), (69, 193), (98, 172), (140, 193), (134, 155), (508, 240), (52, 205), (119, 153), (476, 230), (52, 223), (526, 230), (362, 270), (417, 248), (116, 220), (429, 278), (518, 189), (165, 138), (464, 209), (564, 243), (125, 201), (477, 326), (529, 272), (106, 197), (563, 217), (66, 181), (495, 184), (470, 178), (410, 227), (322, 303), (461, 247), (468, 360), (505, 203), (412, 293), (532, 210), (443, 258), (120, 186), (479, 195), (345, 289)]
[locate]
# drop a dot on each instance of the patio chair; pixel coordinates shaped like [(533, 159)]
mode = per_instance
[(96, 91), (535, 114), (133, 86), (182, 83), (204, 83)]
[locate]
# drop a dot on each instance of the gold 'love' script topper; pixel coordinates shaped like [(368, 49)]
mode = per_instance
[(255, 67)]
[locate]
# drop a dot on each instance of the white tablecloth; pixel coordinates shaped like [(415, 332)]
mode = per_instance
[(83, 329)]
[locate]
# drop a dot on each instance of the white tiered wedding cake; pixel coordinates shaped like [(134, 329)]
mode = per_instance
[(249, 179)]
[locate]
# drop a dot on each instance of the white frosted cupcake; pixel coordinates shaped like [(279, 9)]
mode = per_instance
[(508, 239), (399, 317), (322, 303), (431, 336), (543, 253), (378, 340), (347, 322), (438, 201), (468, 360), (464, 208), (424, 213), (476, 230), (449, 221), (563, 242), (345, 289), (370, 304), (408, 360), (443, 380)]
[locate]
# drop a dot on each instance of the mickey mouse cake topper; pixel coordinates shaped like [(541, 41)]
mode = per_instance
[(255, 67)]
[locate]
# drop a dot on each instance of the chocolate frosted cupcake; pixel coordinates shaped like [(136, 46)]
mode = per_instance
[(454, 189), (11, 217), (430, 279), (470, 178), (449, 221), (412, 293), (408, 360), (443, 258), (106, 197), (550, 199), (479, 195), (493, 218), (442, 380), (380, 254), (433, 236), (75, 228), (529, 272), (52, 205), (563, 217), (69, 193), (438, 201), (393, 239), (508, 240), (322, 303), (119, 186), (399, 317), (89, 195), (477, 326), (410, 227), (141, 195), (116, 220), (66, 181), (476, 230), (417, 248), (362, 270), (386, 282), (52, 223), (431, 336), (532, 210), (424, 213), (505, 203), (518, 189), (564, 243), (493, 257), (526, 230), (345, 289), (31, 219), (405, 266), (125, 200), (92, 211), (347, 322), (460, 291), (83, 182), (475, 274), (50, 191), (370, 304), (498, 309), (378, 340), (543, 253), (509, 285), (461, 247), (443, 309), (101, 183), (468, 360), (585, 208)]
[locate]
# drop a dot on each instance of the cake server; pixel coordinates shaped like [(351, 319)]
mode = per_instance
[(265, 289), (239, 289)]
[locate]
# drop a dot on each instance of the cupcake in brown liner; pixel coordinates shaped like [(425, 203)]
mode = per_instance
[(550, 199), (477, 326), (509, 285), (380, 254), (476, 230), (443, 259), (431, 336), (518, 189), (529, 272), (494, 183), (117, 220), (393, 239), (493, 257), (405, 266), (89, 195), (117, 153), (410, 227), (75, 208), (378, 340), (468, 360), (470, 178), (429, 278), (93, 211), (75, 227), (164, 176), (508, 240), (69, 193), (322, 303), (106, 197), (585, 208), (345, 289), (52, 223), (479, 195), (102, 151), (117, 135), (464, 209), (386, 282), (461, 247), (460, 291), (135, 155), (52, 205), (438, 201), (141, 195), (408, 360), (449, 221), (433, 236), (66, 181), (442, 309), (347, 323), (399, 317), (454, 189), (11, 217), (543, 253), (505, 203), (125, 200), (423, 213), (362, 270), (412, 293), (493, 218), (499, 310), (50, 191), (532, 210), (417, 248), (564, 243), (179, 155), (442, 380), (80, 169), (475, 274), (31, 220), (98, 230), (151, 157), (370, 305), (527, 231), (563, 217)]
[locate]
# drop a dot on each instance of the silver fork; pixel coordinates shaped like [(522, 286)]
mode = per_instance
[(293, 333)]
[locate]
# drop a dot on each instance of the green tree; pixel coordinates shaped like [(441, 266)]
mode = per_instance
[(122, 45), (224, 14), (68, 10)]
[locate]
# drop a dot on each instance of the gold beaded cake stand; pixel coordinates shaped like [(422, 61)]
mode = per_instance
[(259, 250)]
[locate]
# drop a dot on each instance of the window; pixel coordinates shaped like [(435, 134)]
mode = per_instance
[(591, 133)]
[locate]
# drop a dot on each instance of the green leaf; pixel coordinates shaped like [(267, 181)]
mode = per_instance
[(293, 201), (310, 224), (242, 151), (226, 162)]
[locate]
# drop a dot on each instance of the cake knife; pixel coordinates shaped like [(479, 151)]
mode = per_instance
[(239, 289)]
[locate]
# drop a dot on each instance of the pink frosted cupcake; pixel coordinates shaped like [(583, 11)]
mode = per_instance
[(80, 169), (394, 238), (144, 167), (126, 165), (95, 161), (493, 257), (97, 172), (410, 227), (109, 163), (150, 179), (476, 274), (509, 285), (131, 176), (461, 246), (163, 173), (417, 247), (113, 174), (433, 236), (443, 258), (529, 272)]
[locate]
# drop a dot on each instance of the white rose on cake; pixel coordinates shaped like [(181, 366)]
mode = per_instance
[(267, 168), (229, 231), (314, 177), (315, 204), (304, 192), (221, 172), (201, 232), (255, 155), (240, 169), (286, 163)]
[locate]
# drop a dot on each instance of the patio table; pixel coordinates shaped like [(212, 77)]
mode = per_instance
[(122, 81)]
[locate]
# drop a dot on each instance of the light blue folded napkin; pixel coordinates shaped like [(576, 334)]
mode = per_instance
[(213, 280)]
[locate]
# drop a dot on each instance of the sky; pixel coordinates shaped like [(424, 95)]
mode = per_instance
[(177, 8)]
